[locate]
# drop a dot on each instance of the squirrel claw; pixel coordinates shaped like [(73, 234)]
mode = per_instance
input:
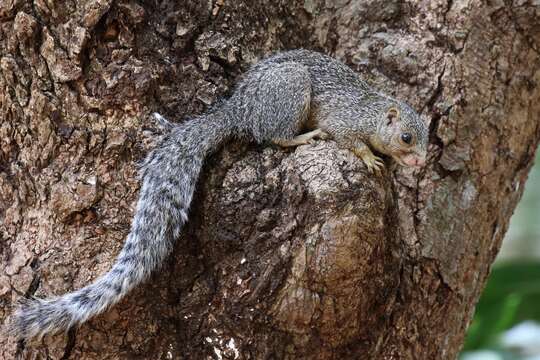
[(378, 164), (373, 163)]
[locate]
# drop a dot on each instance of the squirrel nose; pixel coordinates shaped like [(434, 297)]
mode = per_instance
[(420, 161), (414, 160)]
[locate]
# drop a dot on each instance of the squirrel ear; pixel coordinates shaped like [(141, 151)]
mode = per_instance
[(392, 115)]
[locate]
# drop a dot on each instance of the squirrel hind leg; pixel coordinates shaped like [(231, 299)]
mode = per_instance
[(306, 138), (281, 106)]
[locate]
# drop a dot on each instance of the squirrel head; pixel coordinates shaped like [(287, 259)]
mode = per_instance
[(401, 134)]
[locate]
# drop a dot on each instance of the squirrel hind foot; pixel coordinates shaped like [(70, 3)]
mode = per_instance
[(302, 139)]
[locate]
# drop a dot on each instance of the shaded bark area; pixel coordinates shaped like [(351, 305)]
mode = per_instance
[(288, 254)]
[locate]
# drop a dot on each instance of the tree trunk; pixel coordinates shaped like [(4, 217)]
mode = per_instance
[(288, 254)]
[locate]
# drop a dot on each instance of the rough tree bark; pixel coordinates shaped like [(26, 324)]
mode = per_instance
[(288, 254)]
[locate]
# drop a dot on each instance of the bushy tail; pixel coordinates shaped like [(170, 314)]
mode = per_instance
[(169, 174)]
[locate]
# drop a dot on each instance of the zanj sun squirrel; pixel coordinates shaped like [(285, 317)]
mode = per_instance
[(277, 99)]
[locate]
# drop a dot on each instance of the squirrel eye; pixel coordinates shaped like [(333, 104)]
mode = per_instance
[(406, 138)]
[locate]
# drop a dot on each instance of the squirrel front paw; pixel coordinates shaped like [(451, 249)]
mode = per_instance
[(373, 162)]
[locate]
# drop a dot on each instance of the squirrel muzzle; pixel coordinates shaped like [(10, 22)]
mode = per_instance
[(414, 160)]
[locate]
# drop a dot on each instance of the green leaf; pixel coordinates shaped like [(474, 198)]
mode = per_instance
[(512, 295)]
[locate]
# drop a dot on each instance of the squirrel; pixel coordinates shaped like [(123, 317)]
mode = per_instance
[(287, 99)]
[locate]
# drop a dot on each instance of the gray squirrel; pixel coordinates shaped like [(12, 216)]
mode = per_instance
[(276, 100)]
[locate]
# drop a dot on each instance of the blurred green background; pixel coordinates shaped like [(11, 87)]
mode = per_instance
[(506, 324)]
